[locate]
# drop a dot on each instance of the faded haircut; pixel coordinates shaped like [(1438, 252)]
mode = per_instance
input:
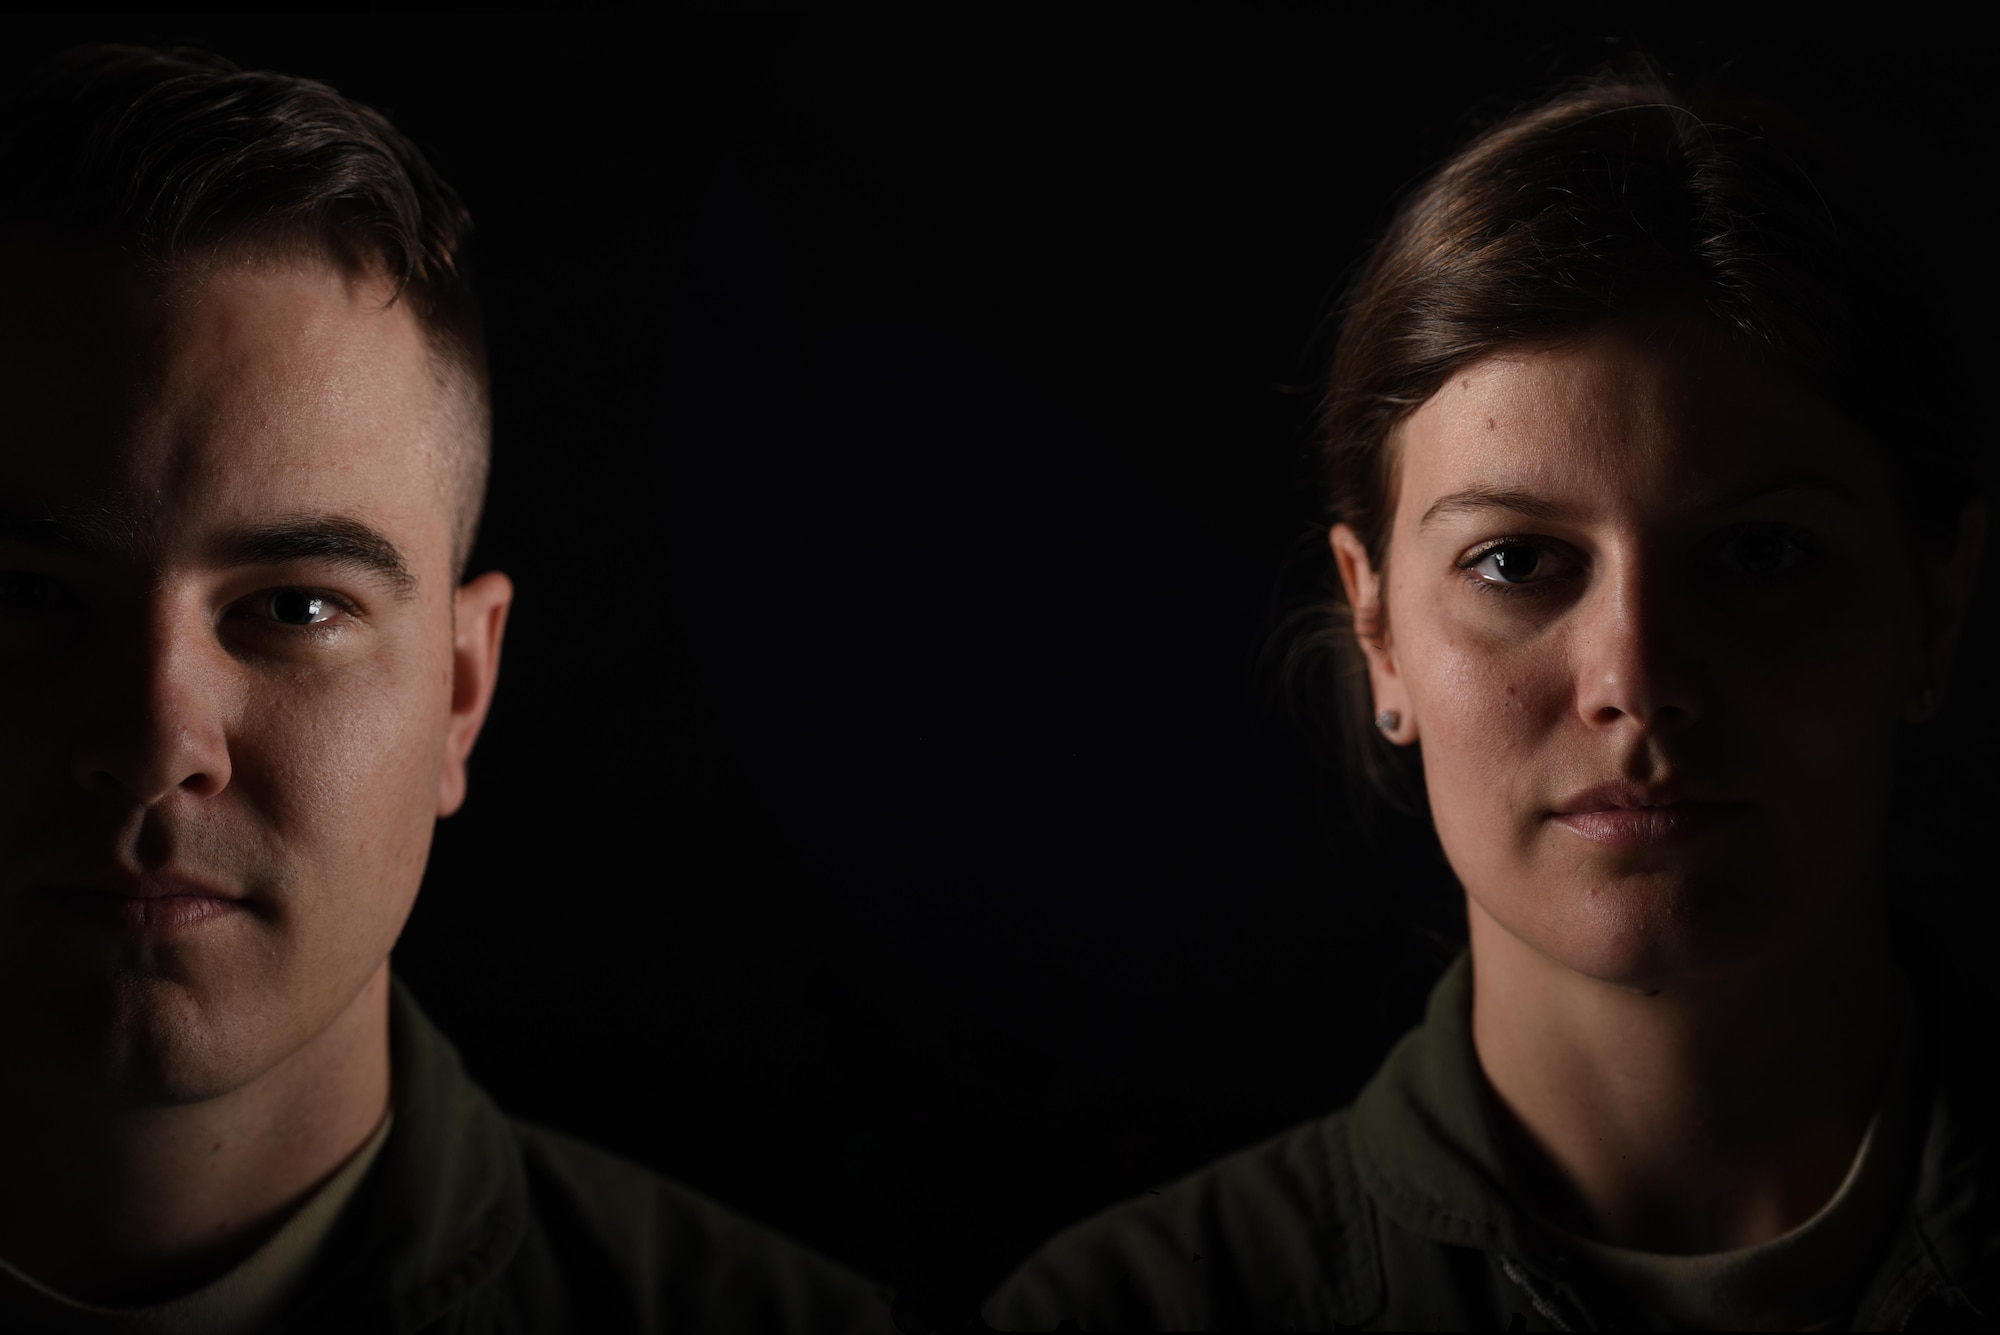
[(177, 157)]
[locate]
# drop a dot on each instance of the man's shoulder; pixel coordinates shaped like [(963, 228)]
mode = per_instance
[(602, 1222), (1277, 1236), (475, 1220)]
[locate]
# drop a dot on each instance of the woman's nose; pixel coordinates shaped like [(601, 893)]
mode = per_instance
[(1636, 659), (156, 714)]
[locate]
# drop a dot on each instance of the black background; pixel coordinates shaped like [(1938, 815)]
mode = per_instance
[(899, 443)]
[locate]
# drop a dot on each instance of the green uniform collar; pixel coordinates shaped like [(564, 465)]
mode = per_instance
[(446, 1204), (1429, 1148)]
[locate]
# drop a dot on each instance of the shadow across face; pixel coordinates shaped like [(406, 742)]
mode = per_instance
[(1654, 618), (226, 663)]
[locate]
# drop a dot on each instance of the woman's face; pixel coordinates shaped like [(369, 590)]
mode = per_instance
[(1652, 616)]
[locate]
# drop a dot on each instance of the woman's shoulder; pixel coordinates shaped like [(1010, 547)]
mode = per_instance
[(1278, 1236)]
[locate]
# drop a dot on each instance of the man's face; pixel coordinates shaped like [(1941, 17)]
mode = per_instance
[(228, 713)]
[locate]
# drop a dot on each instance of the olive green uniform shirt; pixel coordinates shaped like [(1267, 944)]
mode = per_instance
[(251, 1297), (1399, 1214), (455, 1218)]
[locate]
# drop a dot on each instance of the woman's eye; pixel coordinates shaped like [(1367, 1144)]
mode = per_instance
[(1514, 563), (1762, 551)]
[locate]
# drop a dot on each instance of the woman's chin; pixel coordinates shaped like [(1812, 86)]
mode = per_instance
[(1645, 930)]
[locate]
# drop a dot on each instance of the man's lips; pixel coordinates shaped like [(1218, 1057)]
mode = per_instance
[(148, 901), (1633, 815)]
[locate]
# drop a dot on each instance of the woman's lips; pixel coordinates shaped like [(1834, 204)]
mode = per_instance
[(1649, 826)]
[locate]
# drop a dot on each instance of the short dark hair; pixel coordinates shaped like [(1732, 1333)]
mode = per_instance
[(172, 154), (1616, 193)]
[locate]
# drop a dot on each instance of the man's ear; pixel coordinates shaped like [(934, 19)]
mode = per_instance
[(1949, 586), (1363, 583), (479, 622)]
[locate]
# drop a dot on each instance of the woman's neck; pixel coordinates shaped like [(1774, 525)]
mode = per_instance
[(1695, 1117)]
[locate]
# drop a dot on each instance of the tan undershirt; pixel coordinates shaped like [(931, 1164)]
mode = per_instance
[(242, 1301), (1807, 1279)]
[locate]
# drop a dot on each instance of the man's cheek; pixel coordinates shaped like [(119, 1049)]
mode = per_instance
[(346, 762), (42, 805)]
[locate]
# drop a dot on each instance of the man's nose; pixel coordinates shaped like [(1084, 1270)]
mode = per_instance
[(158, 712), (1636, 657)]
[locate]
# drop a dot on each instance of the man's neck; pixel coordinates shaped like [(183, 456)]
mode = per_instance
[(129, 1206), (1689, 1118)]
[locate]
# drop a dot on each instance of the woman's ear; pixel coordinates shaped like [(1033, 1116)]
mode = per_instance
[(1365, 598), (1949, 583)]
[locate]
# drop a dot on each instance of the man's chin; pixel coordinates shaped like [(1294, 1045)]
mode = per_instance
[(144, 1038)]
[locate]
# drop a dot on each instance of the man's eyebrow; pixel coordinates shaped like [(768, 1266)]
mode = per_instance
[(329, 539), (37, 527), (334, 540), (1475, 499)]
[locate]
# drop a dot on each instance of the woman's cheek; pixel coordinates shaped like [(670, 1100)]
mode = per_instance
[(1489, 691), (1486, 709)]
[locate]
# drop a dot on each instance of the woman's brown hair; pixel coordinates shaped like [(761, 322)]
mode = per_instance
[(1618, 192)]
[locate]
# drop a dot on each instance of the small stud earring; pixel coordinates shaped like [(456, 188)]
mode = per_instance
[(1387, 720)]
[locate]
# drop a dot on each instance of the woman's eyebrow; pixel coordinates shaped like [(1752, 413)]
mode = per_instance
[(1515, 501), (1475, 499), (1765, 490)]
